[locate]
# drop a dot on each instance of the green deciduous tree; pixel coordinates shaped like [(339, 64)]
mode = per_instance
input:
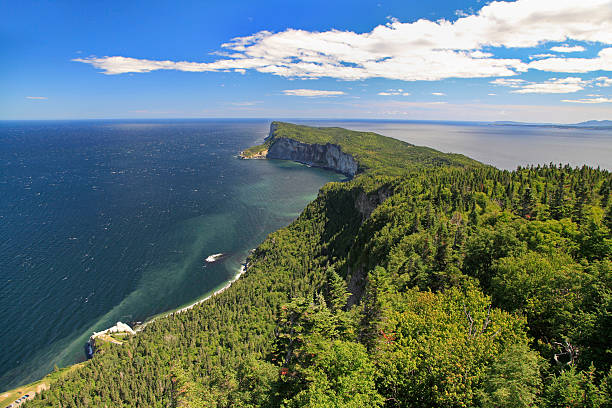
[(513, 379)]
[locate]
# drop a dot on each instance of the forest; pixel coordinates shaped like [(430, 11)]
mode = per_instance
[(428, 280)]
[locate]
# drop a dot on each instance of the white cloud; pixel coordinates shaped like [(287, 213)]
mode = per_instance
[(420, 50), (311, 92), (539, 56), (603, 62), (36, 97), (438, 93), (567, 48), (480, 54), (511, 82), (554, 85), (491, 94), (589, 100), (394, 92)]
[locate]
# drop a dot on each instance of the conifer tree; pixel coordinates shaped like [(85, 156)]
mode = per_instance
[(527, 202), (337, 294), (608, 218), (604, 192)]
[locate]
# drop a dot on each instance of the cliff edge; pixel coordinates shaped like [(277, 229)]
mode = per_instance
[(328, 156)]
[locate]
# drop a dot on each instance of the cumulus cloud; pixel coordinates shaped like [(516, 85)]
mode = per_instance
[(419, 50), (36, 97), (567, 48), (311, 92), (603, 62), (438, 93), (589, 100), (394, 92)]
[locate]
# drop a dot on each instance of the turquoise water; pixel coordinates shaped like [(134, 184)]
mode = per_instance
[(108, 221)]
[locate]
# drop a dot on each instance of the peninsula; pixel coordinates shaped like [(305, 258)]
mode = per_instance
[(347, 151)]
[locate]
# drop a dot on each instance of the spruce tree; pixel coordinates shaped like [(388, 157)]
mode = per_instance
[(608, 218), (337, 294), (527, 202), (557, 206)]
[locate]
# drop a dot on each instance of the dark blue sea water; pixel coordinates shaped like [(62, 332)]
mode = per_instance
[(107, 221)]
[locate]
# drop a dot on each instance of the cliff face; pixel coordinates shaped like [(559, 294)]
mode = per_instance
[(358, 272), (273, 127), (328, 156), (367, 203)]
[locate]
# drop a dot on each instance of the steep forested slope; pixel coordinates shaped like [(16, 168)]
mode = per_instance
[(445, 286)]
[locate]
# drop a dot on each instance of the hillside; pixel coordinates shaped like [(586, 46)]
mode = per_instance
[(426, 280)]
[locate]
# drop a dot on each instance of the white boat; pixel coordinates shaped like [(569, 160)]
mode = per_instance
[(213, 257)]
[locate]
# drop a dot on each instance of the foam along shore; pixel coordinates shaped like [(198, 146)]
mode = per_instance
[(227, 285), (241, 272)]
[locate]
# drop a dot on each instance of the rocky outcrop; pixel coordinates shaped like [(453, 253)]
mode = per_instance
[(366, 203), (118, 328), (328, 156), (255, 156)]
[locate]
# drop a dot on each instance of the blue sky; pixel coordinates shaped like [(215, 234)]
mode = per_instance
[(528, 60)]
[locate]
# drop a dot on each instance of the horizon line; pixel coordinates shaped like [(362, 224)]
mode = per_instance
[(304, 119)]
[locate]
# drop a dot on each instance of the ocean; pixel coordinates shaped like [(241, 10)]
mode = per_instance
[(106, 221)]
